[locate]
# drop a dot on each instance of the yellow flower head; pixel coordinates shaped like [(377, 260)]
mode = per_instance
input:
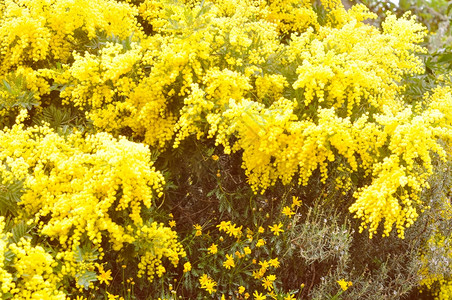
[(344, 284), (260, 243), (241, 289), (295, 201), (276, 228), (259, 296), (104, 276), (207, 283), (229, 262), (213, 249), (187, 267), (287, 211), (198, 229)]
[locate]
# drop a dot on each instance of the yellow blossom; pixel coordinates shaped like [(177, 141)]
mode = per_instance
[(198, 229), (267, 282), (260, 243), (207, 283), (259, 296), (213, 249), (276, 228), (229, 262), (241, 289), (104, 276), (187, 267), (172, 223), (287, 211), (344, 284)]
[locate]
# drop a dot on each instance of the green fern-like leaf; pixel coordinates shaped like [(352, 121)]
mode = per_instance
[(9, 197), (15, 93), (19, 231)]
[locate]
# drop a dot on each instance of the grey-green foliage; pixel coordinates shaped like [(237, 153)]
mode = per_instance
[(62, 119), (17, 94), (10, 194)]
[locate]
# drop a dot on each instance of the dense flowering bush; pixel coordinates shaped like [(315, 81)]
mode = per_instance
[(122, 116)]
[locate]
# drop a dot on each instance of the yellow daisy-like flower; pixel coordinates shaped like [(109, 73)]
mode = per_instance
[(344, 284), (259, 296), (213, 249), (274, 262), (276, 228), (104, 276), (207, 283), (261, 229), (260, 243), (289, 297), (247, 250), (229, 262), (187, 267), (215, 157), (267, 282), (172, 223), (112, 297), (241, 289), (223, 226), (288, 211), (295, 201), (198, 229)]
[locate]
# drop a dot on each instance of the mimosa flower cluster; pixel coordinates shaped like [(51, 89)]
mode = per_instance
[(30, 273), (90, 191)]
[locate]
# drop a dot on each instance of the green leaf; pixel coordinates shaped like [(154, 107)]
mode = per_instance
[(445, 58), (86, 253), (7, 85), (7, 296), (19, 231), (86, 278)]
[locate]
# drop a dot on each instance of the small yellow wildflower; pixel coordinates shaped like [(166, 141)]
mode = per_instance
[(187, 267), (104, 276), (259, 296), (276, 228), (287, 211), (112, 297), (295, 201), (215, 157), (261, 229), (207, 283), (232, 230), (213, 249), (267, 282), (223, 226), (198, 229), (172, 223), (229, 262), (241, 289), (289, 297), (247, 250), (260, 243), (344, 284), (274, 262)]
